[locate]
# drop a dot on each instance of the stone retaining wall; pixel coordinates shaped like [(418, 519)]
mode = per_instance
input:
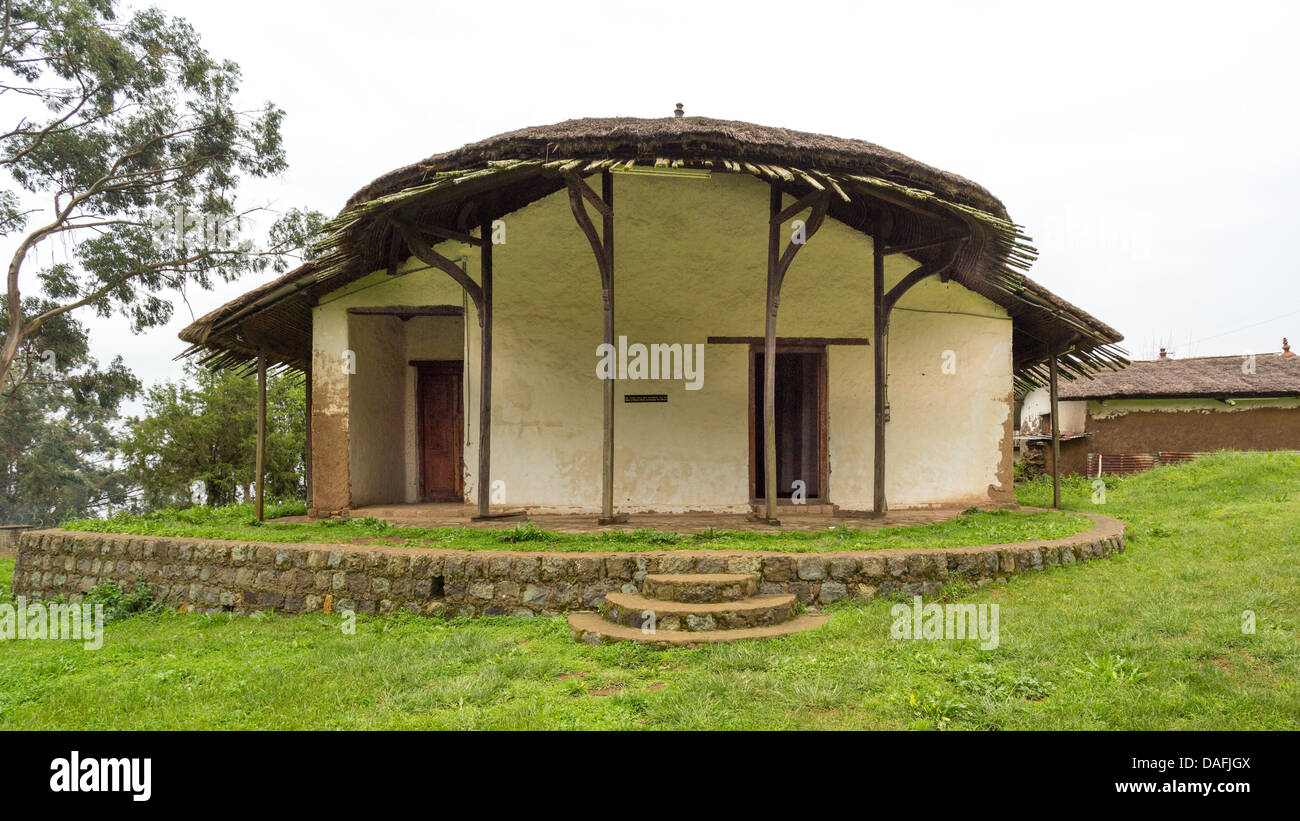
[(212, 576)]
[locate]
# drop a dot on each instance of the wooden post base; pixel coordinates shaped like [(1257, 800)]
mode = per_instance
[(504, 514)]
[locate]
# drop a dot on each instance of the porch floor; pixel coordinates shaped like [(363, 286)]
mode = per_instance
[(456, 514)]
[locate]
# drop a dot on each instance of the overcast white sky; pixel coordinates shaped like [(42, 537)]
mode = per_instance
[(1149, 149)]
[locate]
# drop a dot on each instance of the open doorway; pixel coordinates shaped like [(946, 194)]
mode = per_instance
[(800, 421)]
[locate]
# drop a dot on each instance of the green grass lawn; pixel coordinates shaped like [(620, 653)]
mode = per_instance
[(236, 522), (1150, 639)]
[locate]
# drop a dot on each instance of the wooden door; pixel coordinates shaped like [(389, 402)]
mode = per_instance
[(800, 421), (440, 421)]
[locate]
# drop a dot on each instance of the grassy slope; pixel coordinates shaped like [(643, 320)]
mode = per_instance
[(235, 522), (1161, 623)]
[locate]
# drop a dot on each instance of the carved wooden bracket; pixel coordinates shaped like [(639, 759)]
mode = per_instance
[(579, 191), (818, 201), (416, 240), (927, 269)]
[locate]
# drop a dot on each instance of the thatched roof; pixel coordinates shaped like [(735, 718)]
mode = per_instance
[(1212, 377), (649, 139), (868, 185)]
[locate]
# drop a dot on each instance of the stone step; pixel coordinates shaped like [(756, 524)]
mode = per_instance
[(699, 587), (630, 610), (592, 629), (786, 509)]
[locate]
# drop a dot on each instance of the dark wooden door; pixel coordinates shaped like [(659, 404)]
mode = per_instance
[(438, 409), (800, 422)]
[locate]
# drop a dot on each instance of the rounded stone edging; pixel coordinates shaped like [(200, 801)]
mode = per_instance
[(213, 575)]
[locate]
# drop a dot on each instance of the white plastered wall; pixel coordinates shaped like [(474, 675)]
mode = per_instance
[(1073, 413), (690, 264)]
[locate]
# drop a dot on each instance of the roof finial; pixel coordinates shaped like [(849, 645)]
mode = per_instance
[(680, 112), (1286, 348), (1162, 354)]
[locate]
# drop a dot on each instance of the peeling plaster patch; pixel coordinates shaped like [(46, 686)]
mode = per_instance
[(1121, 407)]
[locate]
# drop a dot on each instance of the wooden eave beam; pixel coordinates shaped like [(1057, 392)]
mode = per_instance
[(408, 311), (923, 245), (456, 236), (898, 201), (820, 341)]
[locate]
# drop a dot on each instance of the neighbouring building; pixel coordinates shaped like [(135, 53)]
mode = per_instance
[(1167, 410), (586, 317)]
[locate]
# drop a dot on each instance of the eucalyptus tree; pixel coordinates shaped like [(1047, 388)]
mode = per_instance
[(60, 426), (125, 151)]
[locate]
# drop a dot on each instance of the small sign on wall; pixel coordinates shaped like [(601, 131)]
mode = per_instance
[(645, 397)]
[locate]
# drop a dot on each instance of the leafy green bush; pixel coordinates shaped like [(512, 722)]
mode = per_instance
[(119, 604), (526, 532), (985, 680), (936, 712), (642, 535), (197, 515), (1111, 667)]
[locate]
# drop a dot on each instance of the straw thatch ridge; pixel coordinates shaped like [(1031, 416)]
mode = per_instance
[(1206, 377), (689, 138), (867, 185)]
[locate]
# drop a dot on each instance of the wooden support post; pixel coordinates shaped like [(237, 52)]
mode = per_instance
[(1056, 429), (485, 371), (772, 306), (607, 292), (260, 459), (307, 437), (880, 330), (602, 245), (884, 302), (778, 263)]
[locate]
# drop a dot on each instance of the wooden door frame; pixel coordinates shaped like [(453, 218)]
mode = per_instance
[(823, 405), (438, 366)]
